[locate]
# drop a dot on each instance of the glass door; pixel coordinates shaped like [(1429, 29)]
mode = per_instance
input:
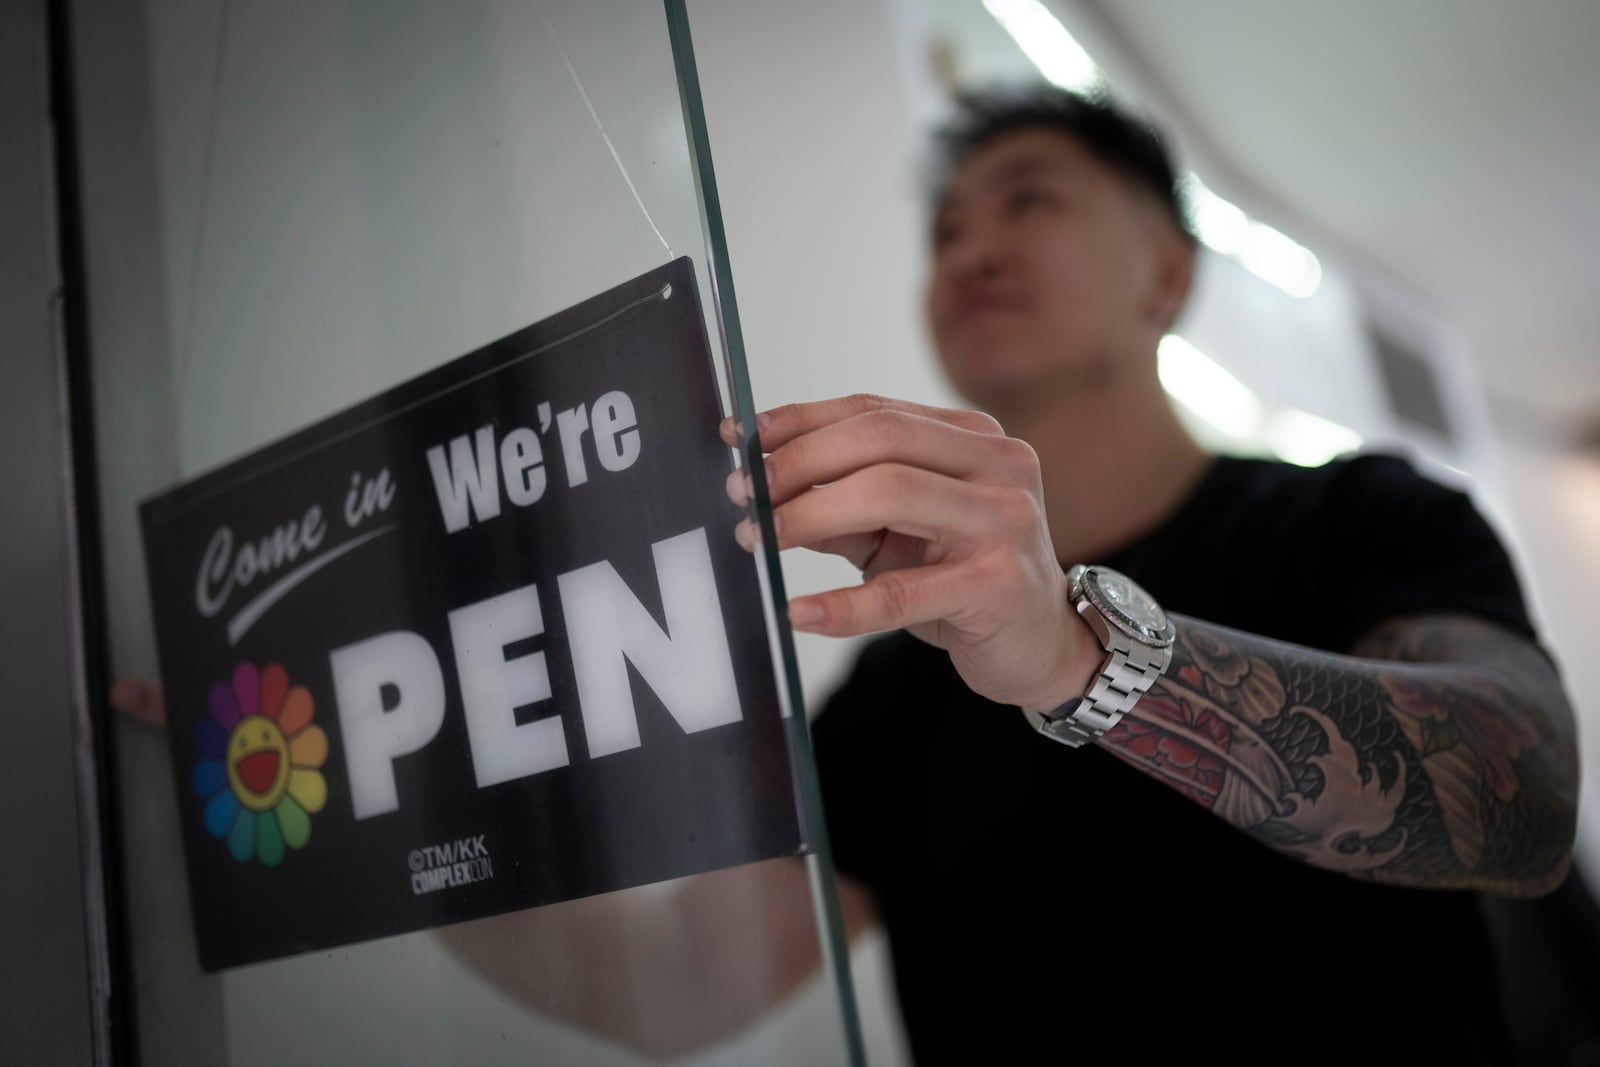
[(317, 228)]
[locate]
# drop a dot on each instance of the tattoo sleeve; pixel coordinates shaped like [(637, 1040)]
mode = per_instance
[(1440, 754)]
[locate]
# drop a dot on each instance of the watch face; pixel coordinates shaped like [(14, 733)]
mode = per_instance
[(1126, 603)]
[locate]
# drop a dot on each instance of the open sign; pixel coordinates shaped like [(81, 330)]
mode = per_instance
[(482, 642), (391, 690)]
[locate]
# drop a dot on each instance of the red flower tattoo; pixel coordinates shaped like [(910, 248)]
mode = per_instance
[(1188, 767)]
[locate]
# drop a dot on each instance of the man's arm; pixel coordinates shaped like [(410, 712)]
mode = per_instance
[(1440, 755)]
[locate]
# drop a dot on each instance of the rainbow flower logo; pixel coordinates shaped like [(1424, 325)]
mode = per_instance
[(257, 771)]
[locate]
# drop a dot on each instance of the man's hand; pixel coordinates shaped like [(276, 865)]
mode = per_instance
[(139, 699), (944, 516)]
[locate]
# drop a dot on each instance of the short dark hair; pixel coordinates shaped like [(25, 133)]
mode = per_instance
[(1128, 145)]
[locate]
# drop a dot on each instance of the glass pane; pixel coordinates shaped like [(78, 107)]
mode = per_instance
[(292, 209)]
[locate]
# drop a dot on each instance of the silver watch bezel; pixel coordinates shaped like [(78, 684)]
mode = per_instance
[(1084, 582)]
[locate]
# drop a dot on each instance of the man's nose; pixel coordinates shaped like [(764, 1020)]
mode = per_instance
[(978, 253)]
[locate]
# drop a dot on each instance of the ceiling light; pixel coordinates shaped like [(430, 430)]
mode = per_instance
[(1268, 253), (1308, 440), (1219, 225), (1205, 388), (1280, 260), (1045, 41)]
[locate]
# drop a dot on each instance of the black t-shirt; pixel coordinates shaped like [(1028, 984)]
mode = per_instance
[(1050, 905)]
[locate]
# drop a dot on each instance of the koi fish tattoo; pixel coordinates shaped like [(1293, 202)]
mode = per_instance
[(1440, 753)]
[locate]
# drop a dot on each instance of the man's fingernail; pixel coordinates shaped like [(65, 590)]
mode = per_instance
[(725, 428), (762, 422), (737, 491), (804, 613)]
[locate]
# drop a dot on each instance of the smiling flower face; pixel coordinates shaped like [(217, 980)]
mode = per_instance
[(257, 762), (258, 767)]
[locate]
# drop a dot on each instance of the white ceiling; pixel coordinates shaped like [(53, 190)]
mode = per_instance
[(1451, 145)]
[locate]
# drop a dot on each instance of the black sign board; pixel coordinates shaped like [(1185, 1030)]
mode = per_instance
[(482, 642)]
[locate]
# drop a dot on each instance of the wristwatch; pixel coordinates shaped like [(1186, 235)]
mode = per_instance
[(1137, 636)]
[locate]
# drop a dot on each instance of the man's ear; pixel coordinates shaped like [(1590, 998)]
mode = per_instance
[(1174, 275)]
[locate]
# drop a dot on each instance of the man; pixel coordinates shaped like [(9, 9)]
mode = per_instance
[(1354, 710)]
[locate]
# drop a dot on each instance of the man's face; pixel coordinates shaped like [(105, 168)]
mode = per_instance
[(1047, 270)]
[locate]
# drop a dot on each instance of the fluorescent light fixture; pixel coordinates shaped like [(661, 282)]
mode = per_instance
[(1045, 41), (1273, 256), (1200, 383), (1219, 225), (1308, 440), (1267, 253)]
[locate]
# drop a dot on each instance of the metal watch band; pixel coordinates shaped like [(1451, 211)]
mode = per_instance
[(1129, 670)]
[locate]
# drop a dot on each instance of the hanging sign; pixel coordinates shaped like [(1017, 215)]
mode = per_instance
[(479, 643)]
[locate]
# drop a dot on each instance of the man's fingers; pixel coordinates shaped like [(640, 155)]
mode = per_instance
[(140, 700), (889, 436), (890, 601), (859, 549), (908, 500), (783, 424)]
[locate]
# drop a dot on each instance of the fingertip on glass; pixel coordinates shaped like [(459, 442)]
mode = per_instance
[(738, 488), (805, 612)]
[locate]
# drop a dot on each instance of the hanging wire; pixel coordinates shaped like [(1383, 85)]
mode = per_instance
[(197, 244), (595, 115), (181, 371)]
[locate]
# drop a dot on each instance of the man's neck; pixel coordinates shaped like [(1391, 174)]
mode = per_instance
[(1115, 462)]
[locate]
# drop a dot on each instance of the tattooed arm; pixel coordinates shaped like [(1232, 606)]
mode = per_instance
[(1440, 754)]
